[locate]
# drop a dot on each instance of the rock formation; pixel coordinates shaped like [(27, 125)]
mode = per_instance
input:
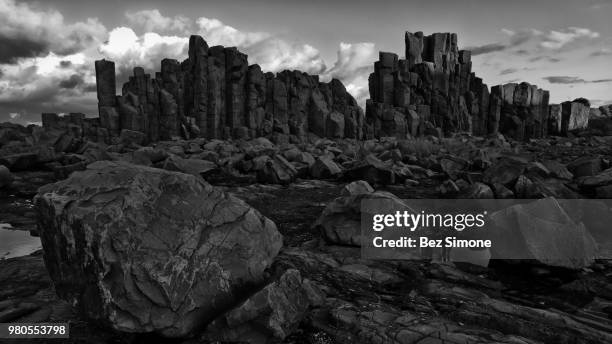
[(523, 110), (147, 250), (216, 94), (574, 115), (434, 87)]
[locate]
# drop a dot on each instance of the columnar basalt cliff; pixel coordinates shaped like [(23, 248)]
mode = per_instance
[(434, 91), (523, 110), (432, 88), (215, 93)]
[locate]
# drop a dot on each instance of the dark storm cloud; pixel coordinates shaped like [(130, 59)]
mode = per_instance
[(75, 82), (545, 58), (72, 82), (567, 80), (14, 48), (521, 52), (28, 30), (487, 49), (508, 71)]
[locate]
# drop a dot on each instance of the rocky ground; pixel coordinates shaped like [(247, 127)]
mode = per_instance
[(330, 294)]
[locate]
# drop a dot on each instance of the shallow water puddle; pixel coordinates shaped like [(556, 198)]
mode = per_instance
[(15, 243)]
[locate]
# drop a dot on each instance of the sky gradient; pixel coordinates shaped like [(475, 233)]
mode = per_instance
[(47, 48)]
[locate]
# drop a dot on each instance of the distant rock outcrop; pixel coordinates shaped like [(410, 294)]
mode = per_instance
[(523, 110), (434, 87), (216, 94)]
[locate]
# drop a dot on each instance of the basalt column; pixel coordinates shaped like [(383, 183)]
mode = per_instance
[(216, 92), (172, 89), (196, 87), (107, 102), (236, 74)]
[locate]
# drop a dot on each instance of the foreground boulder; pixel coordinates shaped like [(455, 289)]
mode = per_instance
[(149, 250), (542, 231)]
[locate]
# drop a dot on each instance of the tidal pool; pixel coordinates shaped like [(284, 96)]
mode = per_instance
[(16, 243)]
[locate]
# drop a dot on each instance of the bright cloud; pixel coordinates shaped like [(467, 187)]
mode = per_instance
[(559, 39), (154, 21)]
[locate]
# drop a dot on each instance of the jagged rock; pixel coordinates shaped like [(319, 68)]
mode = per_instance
[(502, 192), (356, 188), (449, 187), (6, 178), (340, 221), (371, 170), (505, 171), (148, 250), (585, 166), (195, 167), (601, 179), (271, 313), (453, 166), (558, 170), (324, 168), (132, 138), (275, 170), (543, 231), (478, 191)]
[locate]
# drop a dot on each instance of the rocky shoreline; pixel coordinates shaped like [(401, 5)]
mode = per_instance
[(213, 203), (351, 299)]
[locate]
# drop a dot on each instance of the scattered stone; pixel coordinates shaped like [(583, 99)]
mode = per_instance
[(6, 178), (356, 188), (325, 168), (585, 166), (372, 170), (502, 192), (478, 191), (270, 314), (505, 171)]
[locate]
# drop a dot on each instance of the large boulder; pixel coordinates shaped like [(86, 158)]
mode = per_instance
[(340, 221), (542, 231), (148, 250)]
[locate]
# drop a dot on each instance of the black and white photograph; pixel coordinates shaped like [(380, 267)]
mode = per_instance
[(306, 171)]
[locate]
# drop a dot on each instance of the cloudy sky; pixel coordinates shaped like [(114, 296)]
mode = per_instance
[(47, 48)]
